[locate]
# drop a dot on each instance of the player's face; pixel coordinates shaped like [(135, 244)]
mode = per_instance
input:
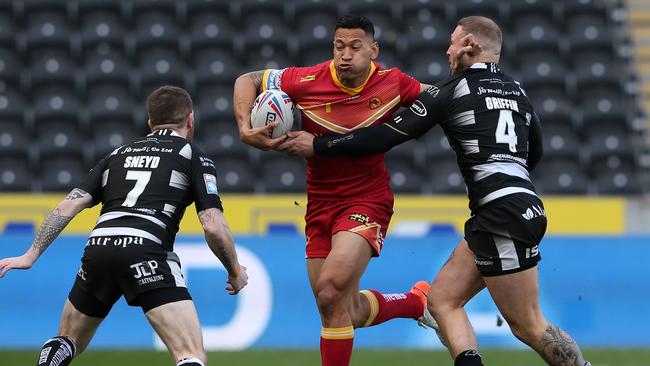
[(454, 45), (354, 50)]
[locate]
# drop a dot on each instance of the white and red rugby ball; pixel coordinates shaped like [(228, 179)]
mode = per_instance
[(272, 106)]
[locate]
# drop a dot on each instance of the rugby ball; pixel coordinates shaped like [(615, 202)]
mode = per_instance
[(272, 106)]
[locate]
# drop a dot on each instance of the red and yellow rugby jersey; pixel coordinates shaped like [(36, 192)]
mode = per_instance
[(328, 107)]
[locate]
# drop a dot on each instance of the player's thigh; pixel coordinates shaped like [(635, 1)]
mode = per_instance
[(78, 326), (458, 280), (346, 262), (177, 325), (517, 297)]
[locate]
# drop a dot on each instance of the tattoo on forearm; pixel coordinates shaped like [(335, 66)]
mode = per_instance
[(52, 226), (559, 349), (257, 76), (76, 193)]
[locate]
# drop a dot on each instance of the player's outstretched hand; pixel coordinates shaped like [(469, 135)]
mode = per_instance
[(462, 59), (260, 137), (22, 262), (299, 143), (237, 281)]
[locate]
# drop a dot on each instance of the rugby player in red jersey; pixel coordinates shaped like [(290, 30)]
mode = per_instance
[(350, 201)]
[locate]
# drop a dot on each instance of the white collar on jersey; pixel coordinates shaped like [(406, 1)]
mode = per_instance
[(479, 65), (165, 132)]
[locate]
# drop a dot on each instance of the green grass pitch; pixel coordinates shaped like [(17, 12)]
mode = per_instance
[(361, 357)]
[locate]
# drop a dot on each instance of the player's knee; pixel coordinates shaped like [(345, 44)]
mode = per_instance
[(328, 298), (437, 302), (191, 361), (528, 332), (57, 351)]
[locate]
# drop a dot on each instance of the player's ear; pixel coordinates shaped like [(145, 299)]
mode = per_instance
[(150, 125), (190, 120), (374, 48)]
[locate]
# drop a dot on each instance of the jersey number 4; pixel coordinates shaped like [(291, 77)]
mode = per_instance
[(141, 179), (505, 133)]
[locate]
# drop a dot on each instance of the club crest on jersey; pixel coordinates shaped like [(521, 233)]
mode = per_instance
[(308, 78), (364, 219), (210, 183), (374, 103)]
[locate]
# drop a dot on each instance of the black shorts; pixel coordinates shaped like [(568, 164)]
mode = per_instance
[(505, 234), (144, 272)]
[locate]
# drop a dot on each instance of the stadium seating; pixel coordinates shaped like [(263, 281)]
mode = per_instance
[(80, 70)]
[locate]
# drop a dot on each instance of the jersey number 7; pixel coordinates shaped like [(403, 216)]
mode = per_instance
[(141, 179)]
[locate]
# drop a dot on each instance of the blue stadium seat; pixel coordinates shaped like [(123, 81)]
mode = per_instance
[(597, 69), (160, 67), (12, 105), (14, 138), (166, 7), (221, 140), (588, 32), (535, 32), (560, 177), (261, 8), (215, 104), (404, 178), (61, 174), (267, 29), (155, 29), (315, 30), (268, 56), (211, 30), (551, 105), (487, 8), (56, 138), (8, 31), (215, 66), (15, 175), (110, 135), (52, 66), (592, 8), (543, 8), (608, 139), (431, 34), (56, 103), (107, 7), (445, 178), (618, 182), (314, 8), (543, 69), (102, 28), (602, 107), (560, 141), (416, 12), (284, 174), (48, 29), (104, 66), (110, 102), (315, 56), (429, 66), (235, 175), (10, 67), (198, 7)]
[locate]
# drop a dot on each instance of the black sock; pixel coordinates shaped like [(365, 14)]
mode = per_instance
[(57, 351), (471, 357)]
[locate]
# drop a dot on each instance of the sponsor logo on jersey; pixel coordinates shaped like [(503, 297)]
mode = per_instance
[(118, 241), (418, 108), (374, 103), (433, 91), (308, 78), (483, 90), (382, 72), (533, 212), (364, 219), (210, 183)]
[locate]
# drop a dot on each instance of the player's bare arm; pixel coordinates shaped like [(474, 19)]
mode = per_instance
[(54, 223), (221, 243), (247, 87)]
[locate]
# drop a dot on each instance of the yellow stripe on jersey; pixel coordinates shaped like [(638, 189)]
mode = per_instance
[(265, 79), (396, 130), (332, 126), (374, 306), (351, 91), (337, 333)]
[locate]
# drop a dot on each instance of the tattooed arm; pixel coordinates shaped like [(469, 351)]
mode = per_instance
[(246, 89), (54, 223), (221, 243)]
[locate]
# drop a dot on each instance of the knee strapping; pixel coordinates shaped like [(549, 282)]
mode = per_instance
[(57, 351), (190, 361)]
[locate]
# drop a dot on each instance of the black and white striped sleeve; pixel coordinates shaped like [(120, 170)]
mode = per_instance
[(204, 181)]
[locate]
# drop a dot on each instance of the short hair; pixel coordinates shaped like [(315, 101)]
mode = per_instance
[(168, 105), (482, 27), (356, 22)]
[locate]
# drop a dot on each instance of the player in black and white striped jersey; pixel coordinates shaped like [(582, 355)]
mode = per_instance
[(496, 136), (144, 188)]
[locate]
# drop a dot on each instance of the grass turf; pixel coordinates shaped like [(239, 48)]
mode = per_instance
[(361, 357)]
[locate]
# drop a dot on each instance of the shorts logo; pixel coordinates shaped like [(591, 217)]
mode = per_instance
[(44, 353), (364, 219), (145, 272), (210, 183), (483, 262), (433, 91), (533, 212), (532, 252), (374, 103), (81, 273)]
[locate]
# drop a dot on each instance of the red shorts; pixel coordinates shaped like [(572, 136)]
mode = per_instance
[(369, 219)]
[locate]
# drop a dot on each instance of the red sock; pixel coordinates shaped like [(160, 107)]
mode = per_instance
[(336, 346), (385, 307)]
